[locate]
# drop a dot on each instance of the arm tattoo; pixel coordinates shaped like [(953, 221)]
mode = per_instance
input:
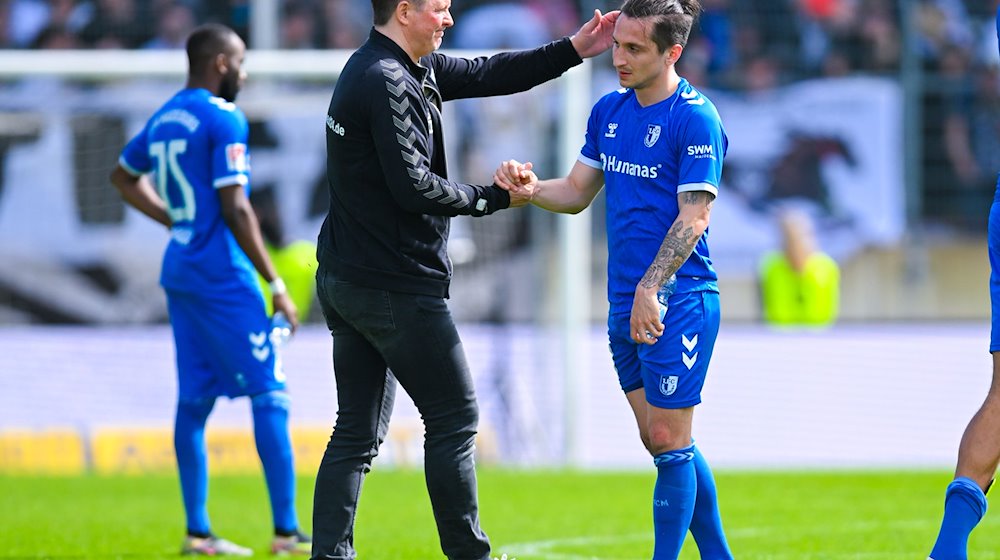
[(677, 245)]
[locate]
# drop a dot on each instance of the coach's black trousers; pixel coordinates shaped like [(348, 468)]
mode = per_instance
[(380, 337)]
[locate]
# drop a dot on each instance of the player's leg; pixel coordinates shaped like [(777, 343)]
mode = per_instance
[(192, 462), (979, 451), (965, 498), (425, 354), (274, 447), (675, 490), (365, 396), (197, 391), (706, 522), (245, 362), (674, 371)]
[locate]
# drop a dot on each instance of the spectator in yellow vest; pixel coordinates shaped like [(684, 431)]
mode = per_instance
[(799, 285), (295, 261)]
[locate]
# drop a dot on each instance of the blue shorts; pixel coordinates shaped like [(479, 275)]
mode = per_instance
[(993, 243), (222, 344), (673, 370)]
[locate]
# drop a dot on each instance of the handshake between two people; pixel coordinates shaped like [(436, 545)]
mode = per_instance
[(517, 179)]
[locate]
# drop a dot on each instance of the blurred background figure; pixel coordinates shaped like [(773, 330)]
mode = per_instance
[(800, 284), (295, 261), (174, 22)]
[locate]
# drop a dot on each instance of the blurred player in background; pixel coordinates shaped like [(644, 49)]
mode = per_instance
[(195, 149), (979, 451), (658, 145)]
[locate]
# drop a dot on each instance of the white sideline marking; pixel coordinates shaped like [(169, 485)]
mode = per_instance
[(544, 548)]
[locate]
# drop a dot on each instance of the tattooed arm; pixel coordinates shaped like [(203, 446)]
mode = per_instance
[(695, 207)]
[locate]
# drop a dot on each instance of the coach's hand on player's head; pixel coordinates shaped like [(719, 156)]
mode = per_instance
[(595, 36), (283, 302)]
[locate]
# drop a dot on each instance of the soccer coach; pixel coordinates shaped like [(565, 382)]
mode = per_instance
[(384, 271)]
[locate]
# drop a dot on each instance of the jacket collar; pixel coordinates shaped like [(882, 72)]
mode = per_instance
[(378, 38)]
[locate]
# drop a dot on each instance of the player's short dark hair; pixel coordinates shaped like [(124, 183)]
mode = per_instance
[(205, 43), (672, 19), (383, 9)]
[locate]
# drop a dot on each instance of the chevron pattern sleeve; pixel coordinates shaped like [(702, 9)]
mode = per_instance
[(404, 123)]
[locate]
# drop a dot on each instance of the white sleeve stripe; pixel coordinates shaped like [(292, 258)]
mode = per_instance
[(695, 187), (240, 179), (133, 171), (589, 162)]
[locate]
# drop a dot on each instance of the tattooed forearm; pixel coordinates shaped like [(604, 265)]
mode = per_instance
[(676, 248), (679, 242)]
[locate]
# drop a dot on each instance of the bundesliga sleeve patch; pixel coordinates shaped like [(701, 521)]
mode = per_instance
[(237, 159)]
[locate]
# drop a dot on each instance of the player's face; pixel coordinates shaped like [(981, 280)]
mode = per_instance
[(636, 58), (234, 78), (428, 22)]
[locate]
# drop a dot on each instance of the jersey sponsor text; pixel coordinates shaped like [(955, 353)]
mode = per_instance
[(614, 165)]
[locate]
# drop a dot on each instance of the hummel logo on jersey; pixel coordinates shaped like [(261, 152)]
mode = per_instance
[(691, 98), (260, 350), (612, 127), (334, 126), (689, 344), (614, 165), (652, 135)]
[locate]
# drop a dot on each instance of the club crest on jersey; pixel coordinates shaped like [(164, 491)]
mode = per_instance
[(612, 128), (652, 135), (236, 158), (668, 384)]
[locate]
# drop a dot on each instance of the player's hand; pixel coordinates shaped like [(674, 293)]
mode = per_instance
[(645, 321), (284, 303), (517, 179), (595, 36)]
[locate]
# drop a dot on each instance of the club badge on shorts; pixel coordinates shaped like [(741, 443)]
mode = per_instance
[(668, 384)]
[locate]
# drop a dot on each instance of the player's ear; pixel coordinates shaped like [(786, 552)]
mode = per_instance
[(675, 53), (221, 64)]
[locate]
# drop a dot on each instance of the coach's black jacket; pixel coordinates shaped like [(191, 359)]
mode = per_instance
[(390, 197)]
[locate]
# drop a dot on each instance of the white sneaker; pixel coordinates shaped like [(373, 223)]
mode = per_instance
[(212, 546)]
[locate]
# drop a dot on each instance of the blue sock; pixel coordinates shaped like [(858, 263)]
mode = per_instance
[(274, 446), (706, 523), (192, 464), (964, 506), (673, 501)]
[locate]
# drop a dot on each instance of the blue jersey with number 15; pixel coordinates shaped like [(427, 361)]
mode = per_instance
[(193, 145)]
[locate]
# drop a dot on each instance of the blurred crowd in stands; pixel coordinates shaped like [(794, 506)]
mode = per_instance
[(740, 46)]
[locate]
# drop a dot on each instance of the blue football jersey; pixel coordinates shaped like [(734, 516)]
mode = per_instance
[(649, 155), (193, 145)]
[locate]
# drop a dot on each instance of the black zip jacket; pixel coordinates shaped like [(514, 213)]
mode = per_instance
[(390, 197)]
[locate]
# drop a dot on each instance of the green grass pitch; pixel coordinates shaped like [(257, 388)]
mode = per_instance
[(529, 515)]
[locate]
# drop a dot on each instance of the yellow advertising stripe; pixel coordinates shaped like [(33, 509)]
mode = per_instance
[(58, 451)]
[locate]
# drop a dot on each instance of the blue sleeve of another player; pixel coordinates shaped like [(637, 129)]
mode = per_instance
[(230, 156), (998, 22), (135, 156), (590, 154), (703, 145)]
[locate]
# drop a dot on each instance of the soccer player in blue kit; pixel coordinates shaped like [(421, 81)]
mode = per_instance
[(657, 145), (188, 169), (979, 451)]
